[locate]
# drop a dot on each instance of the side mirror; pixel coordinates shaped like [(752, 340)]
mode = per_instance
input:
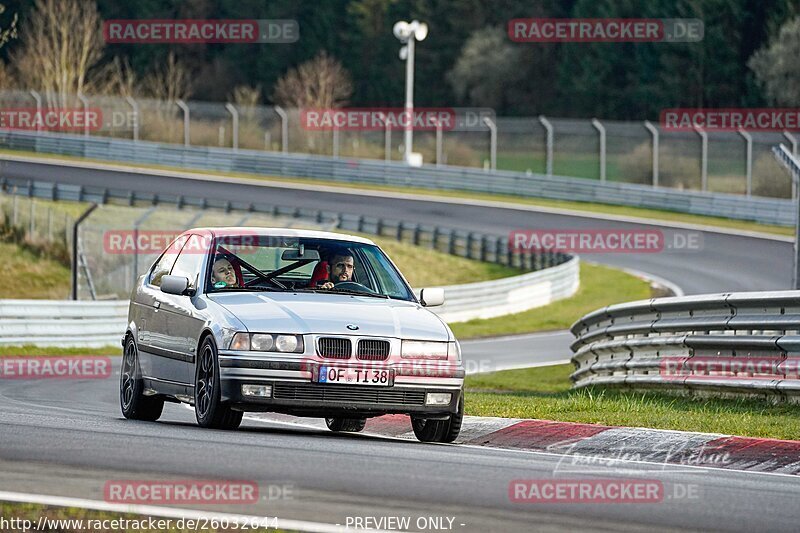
[(175, 285), (431, 297)]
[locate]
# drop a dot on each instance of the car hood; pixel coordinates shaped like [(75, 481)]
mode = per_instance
[(309, 313)]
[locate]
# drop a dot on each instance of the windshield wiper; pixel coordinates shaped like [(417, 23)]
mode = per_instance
[(357, 293)]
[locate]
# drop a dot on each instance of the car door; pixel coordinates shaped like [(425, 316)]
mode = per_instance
[(149, 326), (181, 316)]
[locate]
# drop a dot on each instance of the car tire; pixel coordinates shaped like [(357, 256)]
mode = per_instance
[(353, 425), (133, 403), (209, 410), (427, 430)]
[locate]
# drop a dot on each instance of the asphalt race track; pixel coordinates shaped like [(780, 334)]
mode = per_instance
[(67, 438)]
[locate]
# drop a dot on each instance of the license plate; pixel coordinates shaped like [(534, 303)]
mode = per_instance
[(355, 376)]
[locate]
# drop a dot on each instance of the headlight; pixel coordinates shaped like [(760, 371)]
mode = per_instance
[(425, 350), (261, 342), (267, 342), (286, 343)]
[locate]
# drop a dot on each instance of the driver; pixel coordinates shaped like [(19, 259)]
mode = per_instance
[(340, 269), (222, 271)]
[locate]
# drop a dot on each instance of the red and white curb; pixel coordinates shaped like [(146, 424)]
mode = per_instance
[(596, 444)]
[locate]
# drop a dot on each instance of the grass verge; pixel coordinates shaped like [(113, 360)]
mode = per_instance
[(32, 276), (28, 350), (655, 214), (600, 286), (545, 393)]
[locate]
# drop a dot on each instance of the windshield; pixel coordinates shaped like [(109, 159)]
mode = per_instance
[(276, 263)]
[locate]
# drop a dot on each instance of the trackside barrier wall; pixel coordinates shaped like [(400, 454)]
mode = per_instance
[(628, 345), (102, 323), (366, 171)]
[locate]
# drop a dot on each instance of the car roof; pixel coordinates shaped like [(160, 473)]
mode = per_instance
[(282, 232)]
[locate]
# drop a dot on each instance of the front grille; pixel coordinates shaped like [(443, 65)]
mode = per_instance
[(347, 393), (334, 347), (372, 350)]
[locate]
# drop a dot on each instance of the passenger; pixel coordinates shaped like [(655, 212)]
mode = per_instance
[(223, 272), (340, 269)]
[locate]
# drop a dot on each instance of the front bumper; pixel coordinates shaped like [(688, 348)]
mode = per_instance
[(295, 389)]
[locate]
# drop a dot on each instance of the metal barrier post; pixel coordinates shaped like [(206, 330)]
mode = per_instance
[(335, 141), (85, 102), (749, 139), (387, 140), (284, 129), (602, 131), (38, 98), (654, 132), (703, 158), (439, 142), (75, 251), (792, 139), (186, 123), (235, 125), (135, 108), (549, 145), (492, 142)]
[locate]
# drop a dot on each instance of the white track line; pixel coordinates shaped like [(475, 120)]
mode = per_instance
[(170, 512)]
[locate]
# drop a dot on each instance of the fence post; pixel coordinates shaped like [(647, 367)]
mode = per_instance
[(335, 141), (498, 251), (32, 216), (492, 142), (602, 131), (38, 98), (549, 145), (703, 158), (439, 142), (792, 139), (186, 119), (234, 124), (470, 244), (135, 107), (435, 238), (399, 234), (484, 244), (749, 173), (416, 235), (284, 128), (85, 102), (654, 132), (451, 243), (75, 228)]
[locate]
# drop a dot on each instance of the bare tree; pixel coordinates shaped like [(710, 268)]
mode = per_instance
[(61, 42), (777, 65), (6, 34), (320, 83), (170, 83), (115, 78)]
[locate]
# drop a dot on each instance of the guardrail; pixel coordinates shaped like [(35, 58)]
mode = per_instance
[(62, 323), (730, 344), (102, 323), (367, 171)]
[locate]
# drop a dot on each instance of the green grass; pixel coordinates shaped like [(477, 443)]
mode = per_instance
[(544, 393), (10, 351), (424, 267), (32, 512), (29, 276), (655, 214), (600, 286)]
